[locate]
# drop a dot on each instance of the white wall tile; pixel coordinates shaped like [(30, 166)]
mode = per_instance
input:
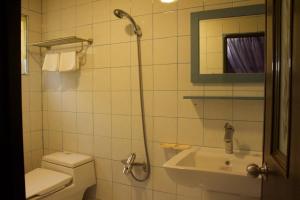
[(165, 24), (165, 51)]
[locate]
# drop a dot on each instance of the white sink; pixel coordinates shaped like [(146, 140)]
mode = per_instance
[(213, 160), (216, 170)]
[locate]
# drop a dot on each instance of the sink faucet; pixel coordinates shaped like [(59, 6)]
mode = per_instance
[(228, 138)]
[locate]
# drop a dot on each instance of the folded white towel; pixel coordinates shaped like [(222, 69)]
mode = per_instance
[(68, 61), (51, 62)]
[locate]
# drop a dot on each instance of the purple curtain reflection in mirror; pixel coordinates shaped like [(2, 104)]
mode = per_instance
[(244, 53)]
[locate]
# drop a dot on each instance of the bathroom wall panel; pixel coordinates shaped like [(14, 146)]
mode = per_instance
[(32, 89), (101, 101)]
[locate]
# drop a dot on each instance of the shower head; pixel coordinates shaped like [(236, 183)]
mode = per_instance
[(121, 14)]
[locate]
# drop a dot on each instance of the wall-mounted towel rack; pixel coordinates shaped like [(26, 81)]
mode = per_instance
[(62, 41)]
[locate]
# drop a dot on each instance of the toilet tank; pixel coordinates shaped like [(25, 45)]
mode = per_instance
[(80, 167)]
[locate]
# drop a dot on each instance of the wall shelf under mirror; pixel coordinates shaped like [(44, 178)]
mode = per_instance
[(225, 97)]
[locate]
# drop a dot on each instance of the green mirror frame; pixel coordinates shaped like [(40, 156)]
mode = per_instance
[(196, 77)]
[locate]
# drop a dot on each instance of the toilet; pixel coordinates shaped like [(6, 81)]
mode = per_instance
[(62, 176)]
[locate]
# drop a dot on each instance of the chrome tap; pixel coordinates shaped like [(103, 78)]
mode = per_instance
[(128, 164), (228, 138)]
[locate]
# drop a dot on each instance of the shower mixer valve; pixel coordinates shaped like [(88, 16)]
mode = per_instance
[(129, 164)]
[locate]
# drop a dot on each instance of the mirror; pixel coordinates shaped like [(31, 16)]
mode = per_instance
[(24, 51), (228, 45)]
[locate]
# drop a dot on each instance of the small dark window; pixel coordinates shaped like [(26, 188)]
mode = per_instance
[(244, 53)]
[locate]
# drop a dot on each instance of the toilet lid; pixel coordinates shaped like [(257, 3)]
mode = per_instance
[(42, 181)]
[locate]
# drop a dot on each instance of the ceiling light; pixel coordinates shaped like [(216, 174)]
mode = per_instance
[(168, 1)]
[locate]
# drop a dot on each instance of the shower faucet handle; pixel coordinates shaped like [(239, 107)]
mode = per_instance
[(128, 164)]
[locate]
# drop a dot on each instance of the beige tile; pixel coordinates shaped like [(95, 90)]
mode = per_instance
[(84, 14), (102, 147), (102, 125), (182, 4), (68, 3), (85, 123), (121, 126), (190, 131), (165, 103), (165, 129), (36, 142), (102, 102), (54, 121), (85, 81), (211, 2), (101, 33), (121, 192), (248, 110), (54, 101), (122, 53), (68, 17), (35, 5), (184, 49), (103, 169), (105, 191), (141, 7), (248, 135), (120, 78), (55, 140), (165, 24), (35, 101), (121, 103), (69, 101), (218, 109), (85, 102), (36, 158), (165, 51), (85, 144), (101, 56), (70, 142), (165, 77), (141, 194), (163, 196), (121, 148), (69, 122), (102, 79), (84, 31), (101, 11)]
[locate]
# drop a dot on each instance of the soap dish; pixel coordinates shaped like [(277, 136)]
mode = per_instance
[(174, 146)]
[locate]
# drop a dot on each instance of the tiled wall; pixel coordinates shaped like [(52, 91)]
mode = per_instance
[(32, 89), (96, 110), (211, 39)]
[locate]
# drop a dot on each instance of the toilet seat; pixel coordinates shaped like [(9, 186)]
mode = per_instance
[(41, 182)]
